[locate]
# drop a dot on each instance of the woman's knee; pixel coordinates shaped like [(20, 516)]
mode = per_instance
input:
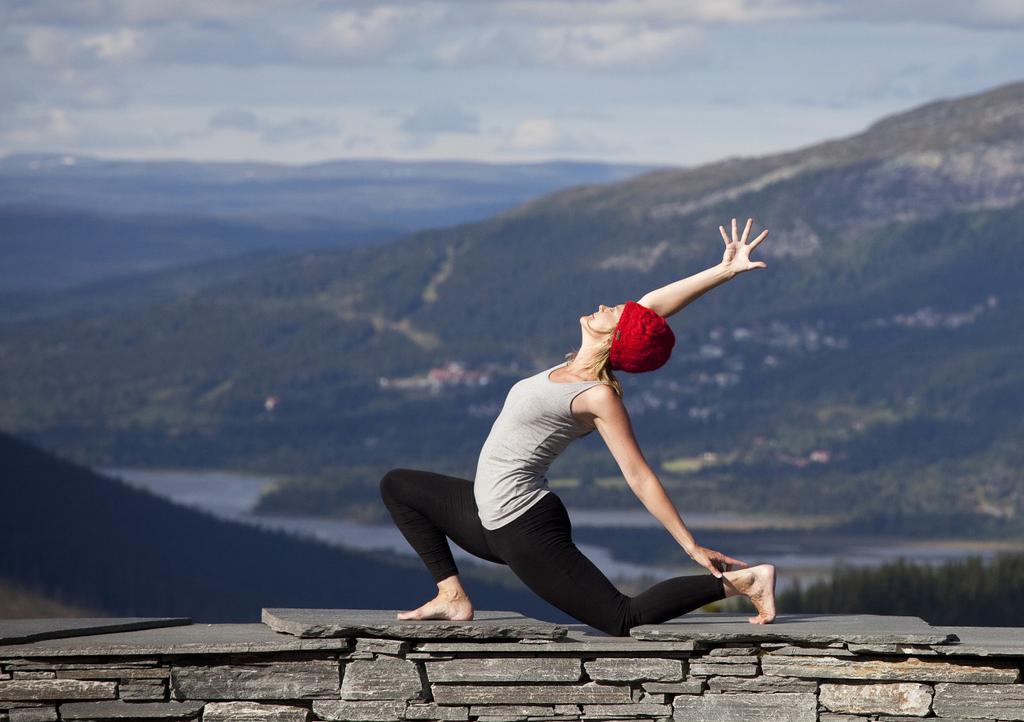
[(619, 619), (391, 484)]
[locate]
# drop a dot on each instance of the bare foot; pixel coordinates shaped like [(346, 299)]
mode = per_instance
[(446, 605), (758, 585)]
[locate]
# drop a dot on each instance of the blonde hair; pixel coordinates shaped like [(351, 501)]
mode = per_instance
[(601, 365)]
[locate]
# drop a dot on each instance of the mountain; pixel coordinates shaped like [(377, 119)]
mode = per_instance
[(94, 542), (869, 373), (67, 220), (363, 192)]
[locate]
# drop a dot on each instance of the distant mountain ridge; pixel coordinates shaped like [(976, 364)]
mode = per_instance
[(67, 220), (915, 213), (372, 193)]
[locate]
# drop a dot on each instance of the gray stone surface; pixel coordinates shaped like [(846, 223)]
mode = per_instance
[(732, 652), (143, 690), (512, 710), (382, 623), (725, 660), (33, 714), (905, 698), (383, 646), (112, 671), (115, 709), (985, 641), (56, 689), (763, 683), (687, 686), (626, 710), (1002, 702), (253, 712), (191, 639), (811, 651), (497, 669), (382, 678), (105, 661), (740, 707), (634, 669), (19, 631), (588, 693), (910, 669), (569, 644), (703, 669), (433, 711), (375, 711), (859, 628), (906, 650), (306, 679)]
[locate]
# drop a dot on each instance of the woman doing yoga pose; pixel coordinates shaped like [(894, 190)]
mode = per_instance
[(508, 515)]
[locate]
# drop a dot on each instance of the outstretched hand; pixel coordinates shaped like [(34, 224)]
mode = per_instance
[(737, 251), (715, 562)]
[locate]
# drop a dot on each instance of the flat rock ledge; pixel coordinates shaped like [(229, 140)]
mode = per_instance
[(502, 667), (382, 623)]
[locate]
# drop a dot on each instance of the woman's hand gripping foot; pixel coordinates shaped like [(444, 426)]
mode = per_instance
[(451, 603)]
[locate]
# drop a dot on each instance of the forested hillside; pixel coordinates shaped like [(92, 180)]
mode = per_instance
[(871, 372), (93, 542)]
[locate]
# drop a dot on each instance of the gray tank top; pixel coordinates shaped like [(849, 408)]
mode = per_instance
[(534, 427)]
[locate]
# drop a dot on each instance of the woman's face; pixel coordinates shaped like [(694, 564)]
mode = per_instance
[(604, 319)]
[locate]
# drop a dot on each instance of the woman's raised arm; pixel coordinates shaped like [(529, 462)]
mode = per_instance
[(670, 299)]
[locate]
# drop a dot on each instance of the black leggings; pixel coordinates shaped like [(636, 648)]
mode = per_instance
[(537, 546)]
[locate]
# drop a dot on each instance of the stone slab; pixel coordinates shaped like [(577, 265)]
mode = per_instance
[(579, 638), (253, 712), (269, 680), (984, 641), (382, 623), (475, 694), (33, 714), (858, 628), (19, 631), (191, 639), (116, 709)]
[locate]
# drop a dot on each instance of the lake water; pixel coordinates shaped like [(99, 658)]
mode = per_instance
[(230, 495)]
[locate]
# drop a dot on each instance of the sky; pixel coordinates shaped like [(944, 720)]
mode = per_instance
[(675, 82)]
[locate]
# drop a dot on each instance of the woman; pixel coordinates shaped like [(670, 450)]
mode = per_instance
[(509, 516)]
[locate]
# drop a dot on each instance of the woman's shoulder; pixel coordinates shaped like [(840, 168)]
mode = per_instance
[(596, 397)]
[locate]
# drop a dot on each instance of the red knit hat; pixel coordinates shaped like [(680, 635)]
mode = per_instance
[(643, 340)]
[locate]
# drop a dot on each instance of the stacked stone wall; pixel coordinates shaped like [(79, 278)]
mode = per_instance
[(379, 678)]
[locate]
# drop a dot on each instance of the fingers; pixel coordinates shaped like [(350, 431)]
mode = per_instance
[(760, 237), (746, 230), (719, 556), (734, 238), (725, 237)]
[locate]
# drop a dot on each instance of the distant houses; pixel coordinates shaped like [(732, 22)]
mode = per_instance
[(453, 373)]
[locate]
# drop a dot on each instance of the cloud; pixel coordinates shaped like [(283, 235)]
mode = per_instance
[(47, 128), (438, 116), (523, 33), (298, 129), (378, 34), (544, 135), (978, 15), (614, 46), (56, 47), (293, 129), (236, 118), (39, 126)]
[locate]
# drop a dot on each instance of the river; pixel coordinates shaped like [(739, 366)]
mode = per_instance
[(230, 495)]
